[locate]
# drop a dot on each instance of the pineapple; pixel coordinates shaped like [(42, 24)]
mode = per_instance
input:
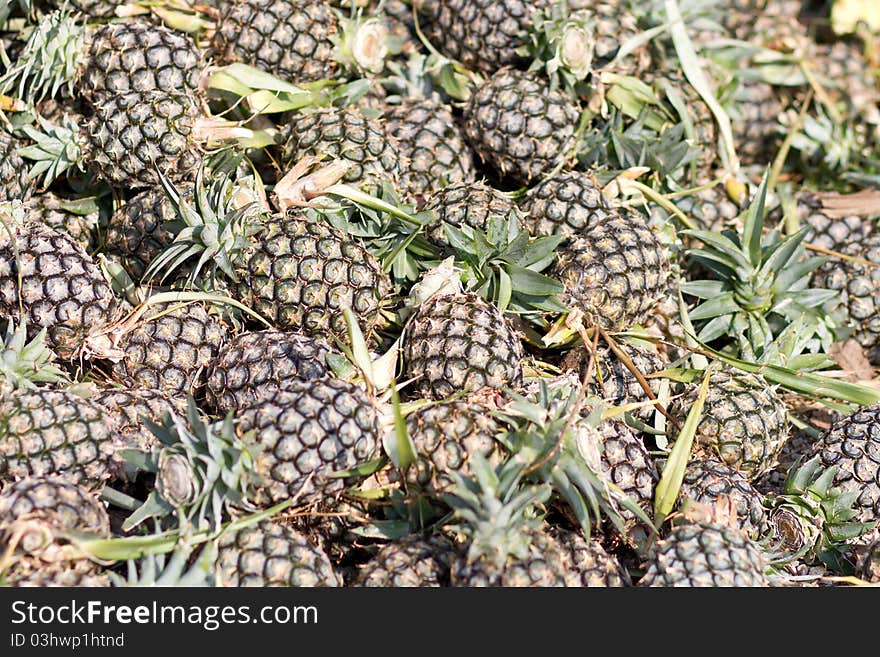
[(410, 562), (483, 35), (615, 274), (570, 203), (271, 554), (141, 228), (431, 142), (130, 406), (744, 421), (252, 366), (519, 127), (30, 511), (505, 543), (307, 433), (460, 343), (56, 433), (68, 216), (706, 481), (16, 184), (169, 349), (362, 144), (104, 60), (755, 108), (446, 437), (827, 230), (48, 281), (591, 564), (851, 445), (705, 554), (472, 204), (292, 40)]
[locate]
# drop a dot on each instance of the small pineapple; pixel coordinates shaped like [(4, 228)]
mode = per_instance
[(431, 143), (705, 554), (615, 273), (254, 365), (519, 127), (48, 281), (744, 421), (271, 554), (363, 144), (410, 562), (31, 510), (307, 433), (460, 342), (56, 433), (467, 204), (570, 203)]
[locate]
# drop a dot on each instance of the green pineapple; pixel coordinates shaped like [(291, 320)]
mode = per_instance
[(48, 281), (16, 184), (850, 445), (705, 554), (431, 143), (364, 145), (505, 541), (615, 274), (102, 60), (271, 554), (519, 127), (744, 421), (460, 342), (54, 432), (30, 511), (472, 204), (253, 366), (570, 203), (706, 481), (409, 562)]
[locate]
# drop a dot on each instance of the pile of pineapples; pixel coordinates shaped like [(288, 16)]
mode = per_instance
[(439, 293)]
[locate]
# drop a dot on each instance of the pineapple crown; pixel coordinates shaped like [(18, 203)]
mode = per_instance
[(503, 264), (495, 510), (813, 518), (563, 449), (202, 469), (758, 286), (49, 61), (55, 150), (217, 225), (25, 363), (562, 43)]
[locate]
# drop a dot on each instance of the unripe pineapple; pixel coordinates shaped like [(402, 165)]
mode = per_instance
[(170, 348), (15, 183), (852, 445), (410, 562), (431, 144), (520, 127), (591, 566), (30, 511), (139, 230), (46, 275), (293, 40), (706, 481), (705, 554), (307, 433), (481, 34), (468, 204), (53, 432), (345, 134), (615, 274), (755, 107), (130, 406), (460, 342), (570, 204), (299, 273), (271, 554), (447, 436), (743, 423), (253, 366)]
